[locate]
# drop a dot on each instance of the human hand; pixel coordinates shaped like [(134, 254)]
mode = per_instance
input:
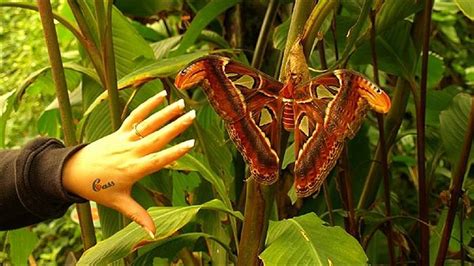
[(105, 170)]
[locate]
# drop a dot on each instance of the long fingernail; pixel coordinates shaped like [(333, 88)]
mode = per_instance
[(150, 233), (191, 114), (162, 94), (180, 104), (188, 144)]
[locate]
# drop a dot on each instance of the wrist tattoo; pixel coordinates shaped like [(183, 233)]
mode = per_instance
[(97, 186)]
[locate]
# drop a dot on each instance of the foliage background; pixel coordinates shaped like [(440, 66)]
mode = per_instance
[(451, 71)]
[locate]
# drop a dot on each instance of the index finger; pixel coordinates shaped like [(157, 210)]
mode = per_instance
[(143, 110)]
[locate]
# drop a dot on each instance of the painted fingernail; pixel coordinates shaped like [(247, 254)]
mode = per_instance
[(180, 104), (191, 114), (188, 144), (150, 233), (161, 94)]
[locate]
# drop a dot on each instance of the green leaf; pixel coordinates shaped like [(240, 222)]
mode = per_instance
[(454, 243), (149, 7), (128, 44), (467, 8), (437, 101), (22, 242), (169, 248), (6, 107), (162, 68), (280, 34), (162, 48), (168, 220), (453, 126), (305, 240), (395, 51), (393, 11), (436, 69), (205, 16), (183, 185)]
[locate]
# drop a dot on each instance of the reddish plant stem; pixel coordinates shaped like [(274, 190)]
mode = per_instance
[(347, 197), (456, 188), (383, 146), (420, 141)]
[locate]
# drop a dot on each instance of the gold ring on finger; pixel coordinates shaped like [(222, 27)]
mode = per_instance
[(136, 131)]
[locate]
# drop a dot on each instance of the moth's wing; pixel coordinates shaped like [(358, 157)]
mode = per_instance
[(334, 105), (241, 96)]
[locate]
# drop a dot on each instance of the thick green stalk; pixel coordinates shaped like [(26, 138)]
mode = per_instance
[(89, 44), (259, 198), (57, 70), (384, 156), (456, 188), (311, 30), (301, 11), (109, 65)]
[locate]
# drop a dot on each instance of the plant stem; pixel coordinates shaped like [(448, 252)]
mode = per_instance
[(259, 198), (393, 121), (456, 188), (89, 44), (57, 70), (109, 63), (327, 199), (318, 15), (345, 190), (301, 12), (262, 41), (383, 149), (420, 140)]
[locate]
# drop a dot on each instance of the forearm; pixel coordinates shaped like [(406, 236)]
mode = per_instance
[(31, 187)]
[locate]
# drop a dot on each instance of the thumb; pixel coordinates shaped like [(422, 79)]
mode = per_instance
[(131, 209)]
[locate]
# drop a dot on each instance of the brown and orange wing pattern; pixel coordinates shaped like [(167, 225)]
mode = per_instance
[(334, 104), (247, 101)]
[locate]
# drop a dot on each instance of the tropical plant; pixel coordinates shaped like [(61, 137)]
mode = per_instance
[(402, 186)]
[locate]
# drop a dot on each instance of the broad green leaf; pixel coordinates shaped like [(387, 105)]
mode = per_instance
[(280, 34), (183, 185), (162, 48), (6, 107), (40, 81), (393, 11), (437, 101), (162, 68), (436, 69), (147, 8), (305, 240), (467, 8), (214, 38), (128, 44), (355, 31), (395, 51), (22, 242), (168, 220), (212, 225), (208, 175), (168, 248), (453, 126), (205, 16), (454, 243)]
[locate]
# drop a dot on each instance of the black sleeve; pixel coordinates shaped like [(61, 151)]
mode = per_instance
[(31, 188)]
